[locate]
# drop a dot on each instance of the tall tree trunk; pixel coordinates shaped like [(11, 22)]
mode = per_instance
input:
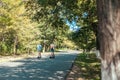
[(15, 45), (109, 38), (44, 49)]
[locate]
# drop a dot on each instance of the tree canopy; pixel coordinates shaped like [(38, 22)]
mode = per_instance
[(23, 24)]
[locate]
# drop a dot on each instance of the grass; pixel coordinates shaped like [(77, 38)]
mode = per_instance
[(89, 66)]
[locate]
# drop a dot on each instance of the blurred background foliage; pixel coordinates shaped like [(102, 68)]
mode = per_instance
[(25, 23)]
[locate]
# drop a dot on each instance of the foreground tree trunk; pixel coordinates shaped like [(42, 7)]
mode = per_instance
[(109, 38)]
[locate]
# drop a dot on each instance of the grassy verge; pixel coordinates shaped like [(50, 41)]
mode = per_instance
[(89, 66)]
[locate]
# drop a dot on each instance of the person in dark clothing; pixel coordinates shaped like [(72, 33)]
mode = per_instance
[(52, 51)]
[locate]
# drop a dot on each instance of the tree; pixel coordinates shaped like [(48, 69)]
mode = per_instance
[(17, 32), (5, 21), (84, 38), (87, 20), (109, 38), (51, 14)]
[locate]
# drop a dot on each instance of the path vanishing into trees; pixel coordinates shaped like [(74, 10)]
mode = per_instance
[(38, 69)]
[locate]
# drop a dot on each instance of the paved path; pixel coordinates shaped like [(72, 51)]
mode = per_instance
[(38, 69)]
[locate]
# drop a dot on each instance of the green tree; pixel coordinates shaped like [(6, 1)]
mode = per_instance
[(5, 21), (84, 38), (16, 28), (50, 13), (53, 13)]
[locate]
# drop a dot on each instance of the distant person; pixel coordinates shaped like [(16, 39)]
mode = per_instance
[(39, 49), (52, 46)]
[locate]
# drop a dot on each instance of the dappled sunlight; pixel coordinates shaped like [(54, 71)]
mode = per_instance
[(89, 67), (11, 64), (37, 69)]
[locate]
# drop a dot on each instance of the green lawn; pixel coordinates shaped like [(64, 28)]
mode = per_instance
[(89, 66)]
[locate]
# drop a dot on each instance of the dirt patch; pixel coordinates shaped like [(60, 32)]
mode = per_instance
[(74, 74)]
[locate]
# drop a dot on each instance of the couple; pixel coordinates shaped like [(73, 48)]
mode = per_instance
[(39, 49)]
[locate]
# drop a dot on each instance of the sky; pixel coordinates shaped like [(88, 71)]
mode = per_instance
[(72, 25)]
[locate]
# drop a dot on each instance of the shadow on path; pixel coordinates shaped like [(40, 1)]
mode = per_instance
[(38, 69)]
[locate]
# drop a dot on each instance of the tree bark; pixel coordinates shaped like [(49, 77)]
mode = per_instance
[(15, 45), (109, 38)]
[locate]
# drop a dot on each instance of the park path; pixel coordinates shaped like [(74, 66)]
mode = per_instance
[(38, 69)]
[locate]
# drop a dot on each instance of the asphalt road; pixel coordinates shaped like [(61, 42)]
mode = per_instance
[(38, 69)]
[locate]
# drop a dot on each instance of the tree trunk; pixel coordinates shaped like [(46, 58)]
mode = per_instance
[(15, 45), (109, 38), (44, 48)]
